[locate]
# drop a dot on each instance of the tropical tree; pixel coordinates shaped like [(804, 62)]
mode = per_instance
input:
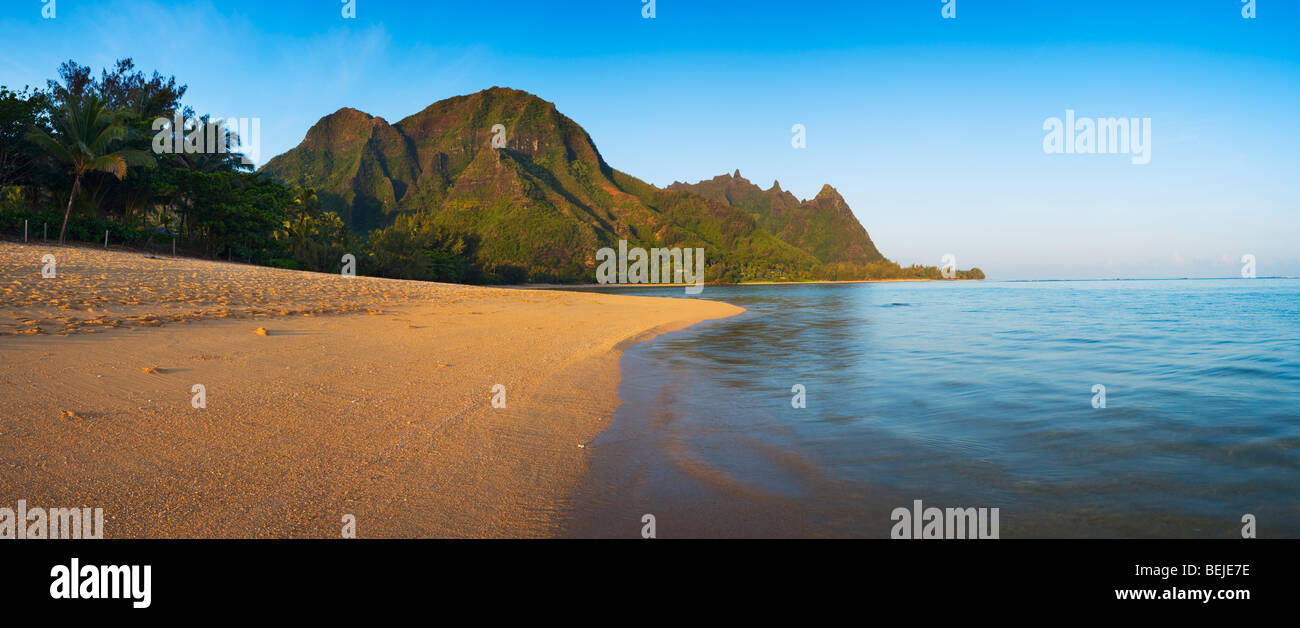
[(20, 114), (221, 156), (85, 131)]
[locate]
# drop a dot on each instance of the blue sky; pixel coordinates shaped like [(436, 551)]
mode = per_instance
[(931, 128)]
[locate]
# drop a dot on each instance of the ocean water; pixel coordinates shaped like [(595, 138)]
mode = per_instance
[(962, 394)]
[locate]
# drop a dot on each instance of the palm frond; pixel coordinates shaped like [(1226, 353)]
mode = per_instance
[(50, 145), (138, 158), (113, 163)]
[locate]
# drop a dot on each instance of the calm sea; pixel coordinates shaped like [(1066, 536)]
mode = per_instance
[(962, 394)]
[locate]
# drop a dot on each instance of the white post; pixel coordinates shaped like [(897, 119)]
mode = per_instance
[(106, 238), (24, 231)]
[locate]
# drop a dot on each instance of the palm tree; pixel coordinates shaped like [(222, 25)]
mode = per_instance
[(83, 133), (222, 157)]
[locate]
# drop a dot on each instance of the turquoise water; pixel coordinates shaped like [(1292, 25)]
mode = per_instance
[(962, 394)]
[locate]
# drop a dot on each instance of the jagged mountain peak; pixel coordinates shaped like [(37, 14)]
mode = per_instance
[(829, 193), (824, 225)]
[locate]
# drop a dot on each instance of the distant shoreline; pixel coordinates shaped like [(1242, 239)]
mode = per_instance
[(190, 256), (552, 286)]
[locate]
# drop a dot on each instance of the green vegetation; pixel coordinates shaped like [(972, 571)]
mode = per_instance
[(84, 134), (426, 198), (79, 155), (823, 226)]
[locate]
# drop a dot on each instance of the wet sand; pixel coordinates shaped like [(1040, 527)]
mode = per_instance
[(365, 396), (704, 470)]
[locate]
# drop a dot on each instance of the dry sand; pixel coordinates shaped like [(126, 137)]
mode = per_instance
[(366, 396)]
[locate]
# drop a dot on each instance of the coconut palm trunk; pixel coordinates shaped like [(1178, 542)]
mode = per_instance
[(76, 187)]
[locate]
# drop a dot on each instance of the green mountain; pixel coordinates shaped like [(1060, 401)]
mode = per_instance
[(542, 205), (823, 226)]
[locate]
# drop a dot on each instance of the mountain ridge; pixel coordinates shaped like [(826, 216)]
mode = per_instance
[(542, 203)]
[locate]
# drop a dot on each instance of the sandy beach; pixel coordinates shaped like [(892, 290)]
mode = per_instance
[(364, 396)]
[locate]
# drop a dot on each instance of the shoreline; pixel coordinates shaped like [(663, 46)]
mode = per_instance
[(651, 460), (379, 407), (554, 286)]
